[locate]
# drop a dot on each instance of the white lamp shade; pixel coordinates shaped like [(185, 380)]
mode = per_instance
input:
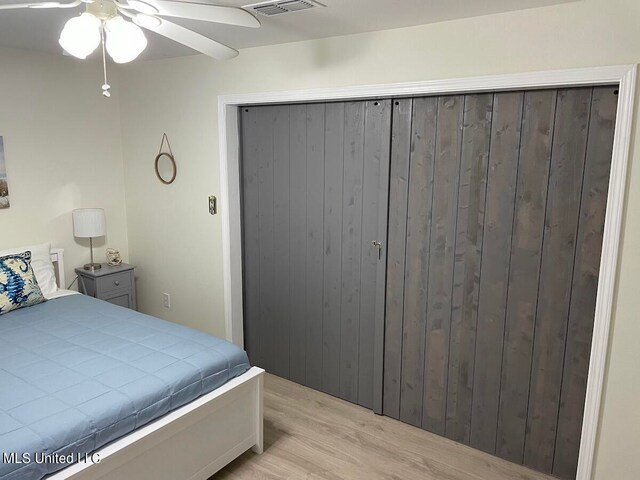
[(125, 41), (89, 222), (81, 35)]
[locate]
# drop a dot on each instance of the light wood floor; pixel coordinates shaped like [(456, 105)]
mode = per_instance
[(311, 435)]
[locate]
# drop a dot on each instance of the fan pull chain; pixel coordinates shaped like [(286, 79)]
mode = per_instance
[(105, 86)]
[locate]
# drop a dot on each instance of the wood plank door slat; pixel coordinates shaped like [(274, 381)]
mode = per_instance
[(441, 260), (396, 247), (333, 190), (375, 200), (266, 232), (351, 250), (298, 242), (421, 164), (315, 242), (476, 140), (282, 238), (251, 244)]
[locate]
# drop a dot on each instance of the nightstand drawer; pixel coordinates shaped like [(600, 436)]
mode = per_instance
[(122, 299), (113, 282)]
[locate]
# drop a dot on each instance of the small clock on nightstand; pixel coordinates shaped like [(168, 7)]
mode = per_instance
[(113, 284)]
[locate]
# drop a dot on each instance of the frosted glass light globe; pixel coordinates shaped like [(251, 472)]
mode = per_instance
[(81, 35), (125, 41), (147, 21), (142, 7)]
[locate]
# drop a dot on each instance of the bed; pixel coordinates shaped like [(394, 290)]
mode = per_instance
[(90, 390)]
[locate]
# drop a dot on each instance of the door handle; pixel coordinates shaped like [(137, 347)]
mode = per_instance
[(378, 245)]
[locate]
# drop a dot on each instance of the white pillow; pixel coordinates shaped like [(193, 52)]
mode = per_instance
[(41, 264)]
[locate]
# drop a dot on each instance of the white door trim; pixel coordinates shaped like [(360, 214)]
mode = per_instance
[(624, 75)]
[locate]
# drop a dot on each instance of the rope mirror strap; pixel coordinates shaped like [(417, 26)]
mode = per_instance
[(165, 139)]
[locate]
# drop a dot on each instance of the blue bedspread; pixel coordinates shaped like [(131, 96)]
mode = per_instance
[(77, 373)]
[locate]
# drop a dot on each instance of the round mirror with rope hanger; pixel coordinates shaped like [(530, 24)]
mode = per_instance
[(165, 163)]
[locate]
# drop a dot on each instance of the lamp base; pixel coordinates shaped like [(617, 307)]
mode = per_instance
[(92, 266)]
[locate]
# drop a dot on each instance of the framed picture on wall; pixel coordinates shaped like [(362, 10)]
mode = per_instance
[(4, 187)]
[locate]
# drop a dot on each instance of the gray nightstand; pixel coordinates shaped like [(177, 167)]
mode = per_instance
[(112, 284)]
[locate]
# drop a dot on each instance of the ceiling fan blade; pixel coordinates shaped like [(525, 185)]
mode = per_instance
[(205, 12), (40, 5), (194, 40)]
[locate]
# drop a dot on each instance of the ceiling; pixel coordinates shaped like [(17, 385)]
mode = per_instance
[(38, 29)]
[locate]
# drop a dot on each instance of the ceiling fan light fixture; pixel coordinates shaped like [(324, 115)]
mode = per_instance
[(143, 7), (125, 41), (81, 35), (147, 21)]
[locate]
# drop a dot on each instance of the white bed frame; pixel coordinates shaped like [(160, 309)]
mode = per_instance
[(190, 443), (57, 257)]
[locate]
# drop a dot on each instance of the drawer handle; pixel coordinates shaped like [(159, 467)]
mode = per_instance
[(116, 283)]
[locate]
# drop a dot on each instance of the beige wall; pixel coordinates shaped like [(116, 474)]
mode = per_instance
[(63, 151), (178, 246)]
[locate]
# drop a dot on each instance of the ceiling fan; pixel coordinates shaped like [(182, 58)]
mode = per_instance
[(116, 24)]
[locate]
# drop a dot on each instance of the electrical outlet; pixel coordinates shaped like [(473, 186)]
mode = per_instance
[(166, 300)]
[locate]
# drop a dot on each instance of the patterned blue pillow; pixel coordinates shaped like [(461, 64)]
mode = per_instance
[(18, 285)]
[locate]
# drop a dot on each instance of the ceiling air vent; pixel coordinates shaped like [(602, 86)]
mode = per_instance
[(270, 9)]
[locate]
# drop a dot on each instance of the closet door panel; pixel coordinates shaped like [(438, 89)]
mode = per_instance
[(526, 251), (297, 243), (476, 140), (497, 204), (494, 280), (585, 279), (315, 200), (561, 222), (441, 260), (396, 245), (418, 233), (435, 259)]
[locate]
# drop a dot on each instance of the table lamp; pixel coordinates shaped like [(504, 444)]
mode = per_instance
[(89, 223)]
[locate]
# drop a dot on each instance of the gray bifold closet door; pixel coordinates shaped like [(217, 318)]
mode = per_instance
[(496, 216), (314, 200)]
